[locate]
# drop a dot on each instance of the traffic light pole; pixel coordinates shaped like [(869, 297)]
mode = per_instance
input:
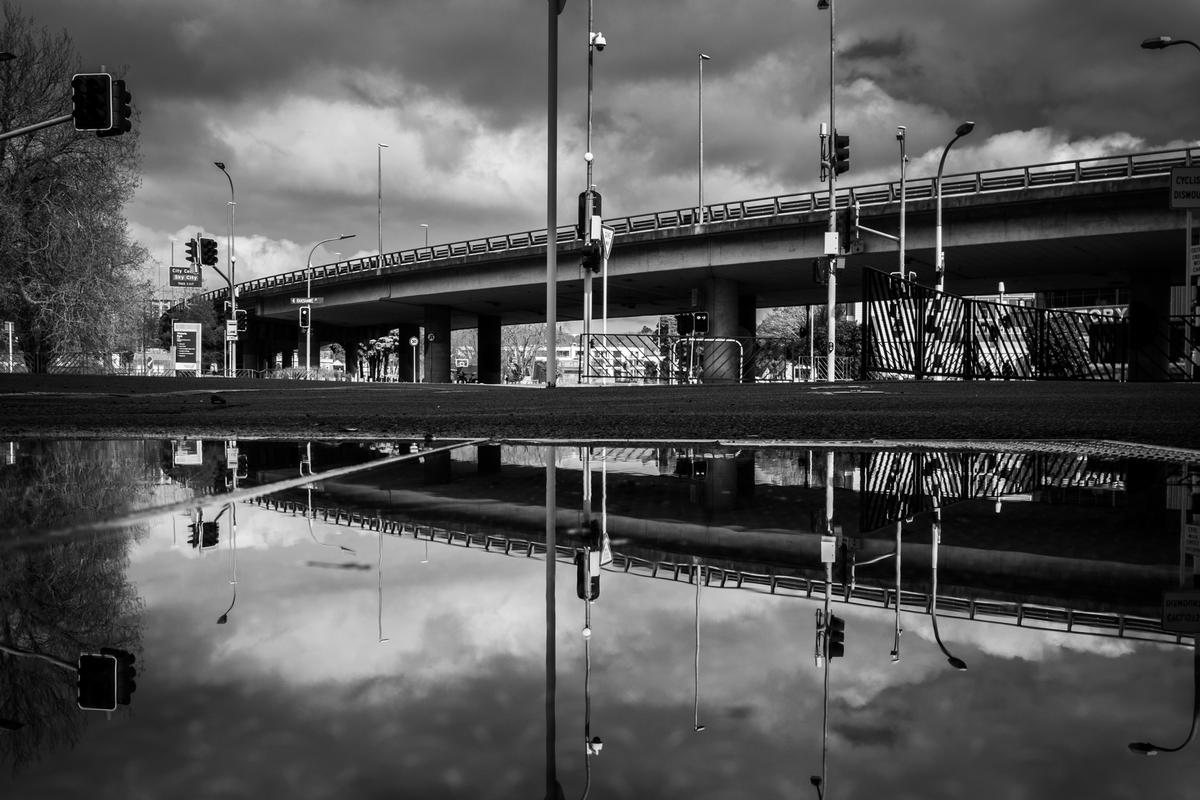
[(35, 127), (831, 287)]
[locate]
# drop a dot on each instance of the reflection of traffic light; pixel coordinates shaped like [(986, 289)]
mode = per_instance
[(204, 534), (837, 637), (700, 323), (587, 561), (684, 324), (208, 252), (243, 466), (91, 101), (191, 251), (125, 673), (96, 683), (305, 317)]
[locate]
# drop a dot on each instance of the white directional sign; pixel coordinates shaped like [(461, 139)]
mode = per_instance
[(1185, 187), (307, 301), (1181, 611)]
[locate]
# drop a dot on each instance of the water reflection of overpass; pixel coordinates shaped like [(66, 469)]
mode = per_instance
[(783, 579)]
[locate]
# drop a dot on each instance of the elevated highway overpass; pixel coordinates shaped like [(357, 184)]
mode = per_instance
[(1090, 223)]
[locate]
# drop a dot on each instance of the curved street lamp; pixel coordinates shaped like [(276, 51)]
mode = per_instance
[(954, 661), (1150, 749), (231, 347), (308, 292), (940, 257), (1161, 42)]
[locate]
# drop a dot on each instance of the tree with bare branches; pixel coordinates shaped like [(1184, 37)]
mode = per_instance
[(69, 272)]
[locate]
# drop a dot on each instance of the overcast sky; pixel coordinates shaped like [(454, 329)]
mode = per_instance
[(294, 96)]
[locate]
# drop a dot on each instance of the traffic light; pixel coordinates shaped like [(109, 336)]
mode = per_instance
[(91, 101), (841, 153), (96, 682), (165, 323), (837, 637), (208, 252), (582, 229), (820, 268), (305, 317), (240, 314), (587, 565), (700, 323), (191, 251), (125, 673), (848, 234), (593, 255), (121, 111), (684, 323)]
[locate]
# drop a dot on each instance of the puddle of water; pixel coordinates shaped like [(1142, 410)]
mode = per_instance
[(1011, 619)]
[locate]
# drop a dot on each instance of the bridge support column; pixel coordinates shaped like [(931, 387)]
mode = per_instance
[(1149, 325), (729, 316), (437, 344), (488, 338)]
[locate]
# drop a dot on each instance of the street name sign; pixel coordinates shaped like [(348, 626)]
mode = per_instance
[(307, 301), (231, 332), (1181, 611), (1185, 187)]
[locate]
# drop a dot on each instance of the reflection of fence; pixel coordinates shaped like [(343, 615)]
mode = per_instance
[(784, 582), (914, 330), (900, 484), (654, 358)]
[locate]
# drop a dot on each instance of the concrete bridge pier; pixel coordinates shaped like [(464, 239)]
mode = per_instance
[(731, 315), (1149, 324), (488, 352), (437, 344)]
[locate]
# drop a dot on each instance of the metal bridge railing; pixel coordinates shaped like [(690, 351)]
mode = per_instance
[(1121, 167)]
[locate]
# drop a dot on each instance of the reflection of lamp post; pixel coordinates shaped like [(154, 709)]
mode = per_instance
[(954, 661), (224, 618), (697, 572), (308, 297), (1149, 749), (940, 257), (379, 569)]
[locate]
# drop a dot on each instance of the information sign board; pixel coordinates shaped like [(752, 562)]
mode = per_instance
[(1185, 187), (1181, 611), (185, 342), (186, 275)]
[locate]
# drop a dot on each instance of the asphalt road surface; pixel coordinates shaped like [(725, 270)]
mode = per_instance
[(106, 406)]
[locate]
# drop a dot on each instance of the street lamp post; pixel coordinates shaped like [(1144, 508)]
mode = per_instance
[(700, 59), (940, 257), (231, 346), (425, 225), (831, 286), (1159, 43), (554, 8), (1150, 749), (379, 152), (308, 297)]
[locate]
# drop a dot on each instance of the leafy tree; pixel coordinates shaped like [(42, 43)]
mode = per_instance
[(68, 263)]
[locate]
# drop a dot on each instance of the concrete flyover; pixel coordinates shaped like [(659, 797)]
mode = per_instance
[(1086, 224)]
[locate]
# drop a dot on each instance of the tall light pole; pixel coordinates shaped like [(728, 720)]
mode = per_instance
[(1159, 43), (940, 257), (700, 59), (831, 286), (308, 296), (901, 136), (231, 347), (596, 41), (379, 152), (1151, 749), (554, 8)]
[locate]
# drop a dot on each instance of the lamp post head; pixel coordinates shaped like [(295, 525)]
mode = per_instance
[(964, 129), (705, 57), (219, 165), (822, 5), (957, 663), (1156, 42), (1143, 748), (223, 619)]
